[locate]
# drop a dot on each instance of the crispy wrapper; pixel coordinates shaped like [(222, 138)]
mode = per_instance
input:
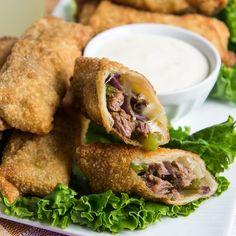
[(108, 167), (89, 91), (108, 15), (36, 75), (6, 44), (34, 164), (208, 7), (85, 9)]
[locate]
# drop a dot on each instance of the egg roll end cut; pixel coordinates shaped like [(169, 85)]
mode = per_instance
[(120, 100), (6, 44), (36, 75), (170, 176)]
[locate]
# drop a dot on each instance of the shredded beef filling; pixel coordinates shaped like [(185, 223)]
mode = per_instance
[(169, 178), (126, 110), (123, 123), (115, 101)]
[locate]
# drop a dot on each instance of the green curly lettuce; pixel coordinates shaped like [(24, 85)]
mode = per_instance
[(113, 213), (99, 212), (97, 134), (225, 87), (216, 145), (228, 15)]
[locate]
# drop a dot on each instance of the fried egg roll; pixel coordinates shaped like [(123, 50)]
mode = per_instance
[(120, 100), (33, 164), (36, 75), (209, 7), (108, 15), (164, 175)]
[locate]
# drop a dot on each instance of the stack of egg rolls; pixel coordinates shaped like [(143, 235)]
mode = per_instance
[(33, 82), (35, 75), (124, 103)]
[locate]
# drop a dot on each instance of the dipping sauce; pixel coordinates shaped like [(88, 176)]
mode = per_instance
[(168, 63)]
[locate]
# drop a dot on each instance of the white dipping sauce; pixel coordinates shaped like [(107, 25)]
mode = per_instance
[(168, 63)]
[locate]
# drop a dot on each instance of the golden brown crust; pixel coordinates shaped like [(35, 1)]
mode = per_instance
[(109, 15), (36, 164), (108, 168), (35, 77), (82, 131), (6, 44), (84, 87), (85, 9), (208, 7), (90, 75), (8, 190), (99, 162)]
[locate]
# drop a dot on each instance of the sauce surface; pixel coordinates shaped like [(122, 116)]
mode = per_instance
[(168, 63)]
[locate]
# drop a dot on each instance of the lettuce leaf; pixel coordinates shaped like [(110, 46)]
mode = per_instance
[(113, 213), (228, 15), (225, 87), (99, 212), (97, 134), (216, 145)]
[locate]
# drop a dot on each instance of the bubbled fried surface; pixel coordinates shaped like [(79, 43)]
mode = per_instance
[(36, 75), (8, 190), (36, 164), (207, 7), (85, 9), (108, 15), (6, 44), (108, 166)]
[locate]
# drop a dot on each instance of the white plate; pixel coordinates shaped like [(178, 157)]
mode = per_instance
[(215, 216)]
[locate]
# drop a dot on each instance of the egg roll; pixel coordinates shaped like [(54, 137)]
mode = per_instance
[(36, 75), (170, 176), (108, 15), (33, 164), (209, 7), (120, 100)]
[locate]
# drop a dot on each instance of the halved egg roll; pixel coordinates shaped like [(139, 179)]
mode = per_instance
[(170, 176), (120, 100), (6, 44)]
